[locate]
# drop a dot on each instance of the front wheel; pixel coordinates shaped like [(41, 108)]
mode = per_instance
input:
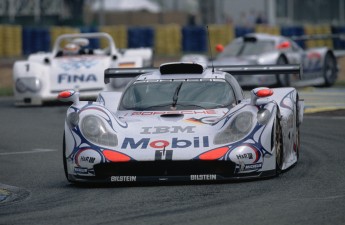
[(64, 160)]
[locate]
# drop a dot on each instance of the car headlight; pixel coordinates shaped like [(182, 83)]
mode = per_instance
[(25, 84), (96, 132), (238, 129)]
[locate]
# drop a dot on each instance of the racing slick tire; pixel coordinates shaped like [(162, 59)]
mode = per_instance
[(330, 70), (64, 158), (297, 144), (297, 129), (278, 144), (282, 79)]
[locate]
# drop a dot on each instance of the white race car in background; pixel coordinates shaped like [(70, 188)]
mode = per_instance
[(73, 64)]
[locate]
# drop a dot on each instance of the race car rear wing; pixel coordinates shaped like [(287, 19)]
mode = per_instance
[(261, 69), (234, 70)]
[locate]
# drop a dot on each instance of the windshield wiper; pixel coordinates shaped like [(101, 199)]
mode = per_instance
[(175, 98)]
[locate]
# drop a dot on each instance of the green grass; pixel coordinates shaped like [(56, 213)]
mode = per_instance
[(340, 83), (6, 91)]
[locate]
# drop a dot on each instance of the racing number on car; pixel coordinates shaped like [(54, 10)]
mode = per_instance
[(163, 154)]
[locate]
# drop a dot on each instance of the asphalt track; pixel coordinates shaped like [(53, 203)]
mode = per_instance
[(34, 190)]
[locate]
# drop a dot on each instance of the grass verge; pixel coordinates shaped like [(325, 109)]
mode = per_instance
[(6, 91)]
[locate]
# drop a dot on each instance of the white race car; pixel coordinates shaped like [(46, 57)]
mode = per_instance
[(73, 64), (183, 121)]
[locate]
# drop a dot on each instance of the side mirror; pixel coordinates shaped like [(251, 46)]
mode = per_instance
[(261, 92), (69, 96), (219, 48)]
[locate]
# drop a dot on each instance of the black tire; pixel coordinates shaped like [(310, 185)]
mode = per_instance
[(298, 144), (282, 79), (297, 128), (278, 144), (64, 157), (330, 70)]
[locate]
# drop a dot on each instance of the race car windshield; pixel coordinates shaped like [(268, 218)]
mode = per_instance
[(245, 48), (177, 95)]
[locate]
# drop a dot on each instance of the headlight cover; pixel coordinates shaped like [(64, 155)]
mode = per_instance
[(95, 131), (238, 129), (25, 84)]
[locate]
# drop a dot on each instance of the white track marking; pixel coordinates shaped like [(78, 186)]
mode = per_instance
[(36, 150)]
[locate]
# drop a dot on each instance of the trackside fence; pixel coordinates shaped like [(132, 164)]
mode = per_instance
[(171, 39)]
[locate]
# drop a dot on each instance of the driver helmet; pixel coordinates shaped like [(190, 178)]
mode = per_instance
[(71, 49)]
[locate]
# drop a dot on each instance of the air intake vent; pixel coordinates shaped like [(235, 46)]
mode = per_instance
[(181, 68)]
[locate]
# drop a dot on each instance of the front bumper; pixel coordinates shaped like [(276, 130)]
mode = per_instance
[(168, 171)]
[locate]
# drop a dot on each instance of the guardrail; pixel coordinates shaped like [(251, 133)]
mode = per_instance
[(171, 39)]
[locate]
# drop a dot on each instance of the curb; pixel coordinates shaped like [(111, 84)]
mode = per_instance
[(4, 194), (10, 194), (322, 109)]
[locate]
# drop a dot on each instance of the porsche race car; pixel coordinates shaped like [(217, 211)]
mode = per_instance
[(319, 64), (73, 64), (182, 122)]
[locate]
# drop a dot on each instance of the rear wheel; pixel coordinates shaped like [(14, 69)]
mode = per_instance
[(330, 70), (278, 144), (282, 79)]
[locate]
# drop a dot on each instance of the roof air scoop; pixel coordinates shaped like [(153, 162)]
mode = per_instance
[(181, 68)]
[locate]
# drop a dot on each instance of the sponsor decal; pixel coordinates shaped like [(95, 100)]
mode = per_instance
[(80, 170), (74, 78), (123, 178), (87, 159), (127, 65), (245, 156), (77, 63), (203, 120), (203, 177), (192, 112), (144, 143), (163, 154), (167, 129), (253, 166)]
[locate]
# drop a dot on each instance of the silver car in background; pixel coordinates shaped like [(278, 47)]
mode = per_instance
[(319, 64)]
